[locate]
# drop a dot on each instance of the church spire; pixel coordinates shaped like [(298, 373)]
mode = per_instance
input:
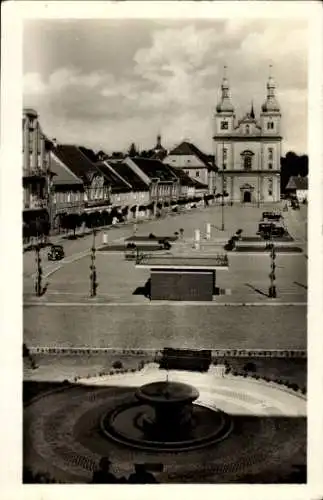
[(225, 105), (271, 103), (252, 113)]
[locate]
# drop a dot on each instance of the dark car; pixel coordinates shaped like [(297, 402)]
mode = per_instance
[(56, 252)]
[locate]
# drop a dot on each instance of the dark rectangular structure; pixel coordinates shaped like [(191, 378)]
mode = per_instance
[(190, 285), (185, 359)]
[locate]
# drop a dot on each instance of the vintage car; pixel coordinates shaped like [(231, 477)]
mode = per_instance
[(55, 252), (276, 216)]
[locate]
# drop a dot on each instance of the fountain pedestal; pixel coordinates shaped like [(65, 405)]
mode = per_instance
[(172, 403)]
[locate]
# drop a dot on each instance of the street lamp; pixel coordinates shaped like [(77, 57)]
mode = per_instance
[(39, 274), (272, 288), (94, 284), (222, 204)]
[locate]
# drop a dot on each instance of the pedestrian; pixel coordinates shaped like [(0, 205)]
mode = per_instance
[(141, 476), (103, 475)]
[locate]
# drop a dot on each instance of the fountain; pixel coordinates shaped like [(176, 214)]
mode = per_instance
[(164, 416)]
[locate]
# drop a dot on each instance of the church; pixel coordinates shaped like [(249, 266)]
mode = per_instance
[(248, 151)]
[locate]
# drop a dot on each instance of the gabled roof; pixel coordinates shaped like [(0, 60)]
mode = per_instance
[(76, 161), (187, 148), (155, 169), (117, 184), (297, 183), (185, 179), (129, 175), (63, 176), (199, 185)]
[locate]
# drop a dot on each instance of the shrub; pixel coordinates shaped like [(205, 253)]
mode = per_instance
[(250, 367), (151, 236), (117, 365)]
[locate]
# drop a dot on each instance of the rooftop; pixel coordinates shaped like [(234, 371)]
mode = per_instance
[(117, 184), (297, 182), (63, 176), (187, 148), (155, 169), (76, 161), (129, 175)]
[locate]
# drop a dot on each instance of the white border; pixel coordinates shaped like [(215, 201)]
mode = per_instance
[(11, 250)]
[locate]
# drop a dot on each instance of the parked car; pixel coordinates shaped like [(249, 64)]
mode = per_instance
[(271, 216), (56, 252)]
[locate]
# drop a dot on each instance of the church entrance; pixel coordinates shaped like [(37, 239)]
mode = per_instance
[(246, 197)]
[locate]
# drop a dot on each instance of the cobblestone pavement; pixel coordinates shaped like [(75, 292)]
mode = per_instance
[(62, 437), (146, 326)]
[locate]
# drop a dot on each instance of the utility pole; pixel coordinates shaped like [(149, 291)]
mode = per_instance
[(39, 275), (272, 289), (94, 284), (222, 204)]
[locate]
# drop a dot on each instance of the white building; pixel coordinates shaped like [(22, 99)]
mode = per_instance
[(248, 151)]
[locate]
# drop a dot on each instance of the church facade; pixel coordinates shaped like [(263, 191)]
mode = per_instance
[(248, 151)]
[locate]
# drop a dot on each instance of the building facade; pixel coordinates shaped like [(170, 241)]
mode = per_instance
[(248, 151), (194, 163), (35, 160), (97, 187), (67, 191)]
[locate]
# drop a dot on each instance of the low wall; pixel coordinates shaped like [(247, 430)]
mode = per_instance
[(216, 353)]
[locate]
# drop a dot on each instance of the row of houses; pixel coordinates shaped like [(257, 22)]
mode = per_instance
[(62, 179)]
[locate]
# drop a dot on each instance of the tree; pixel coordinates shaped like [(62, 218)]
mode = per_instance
[(117, 155), (292, 165), (132, 150)]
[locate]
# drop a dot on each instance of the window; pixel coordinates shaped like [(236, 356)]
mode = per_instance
[(225, 154), (224, 125), (197, 173), (224, 183), (270, 154), (270, 166), (247, 161), (270, 187), (270, 125), (247, 129), (187, 172), (224, 166)]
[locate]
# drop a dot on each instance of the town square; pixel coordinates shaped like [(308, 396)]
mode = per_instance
[(165, 254)]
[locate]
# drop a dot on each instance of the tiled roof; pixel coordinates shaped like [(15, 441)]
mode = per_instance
[(297, 182), (187, 148), (155, 169), (63, 175), (185, 179), (117, 184), (76, 161), (199, 185), (129, 175)]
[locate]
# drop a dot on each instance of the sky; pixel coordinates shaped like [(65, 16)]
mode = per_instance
[(104, 84)]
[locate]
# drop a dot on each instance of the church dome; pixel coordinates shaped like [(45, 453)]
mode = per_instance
[(225, 105), (270, 105)]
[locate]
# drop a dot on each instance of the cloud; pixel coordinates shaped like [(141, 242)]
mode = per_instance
[(168, 80)]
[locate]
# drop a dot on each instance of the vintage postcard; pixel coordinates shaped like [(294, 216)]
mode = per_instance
[(168, 168)]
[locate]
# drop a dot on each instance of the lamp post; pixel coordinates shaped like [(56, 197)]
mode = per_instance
[(39, 274), (272, 288), (93, 280), (222, 204)]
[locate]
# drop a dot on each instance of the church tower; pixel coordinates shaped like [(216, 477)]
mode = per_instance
[(224, 117), (247, 151), (270, 115)]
